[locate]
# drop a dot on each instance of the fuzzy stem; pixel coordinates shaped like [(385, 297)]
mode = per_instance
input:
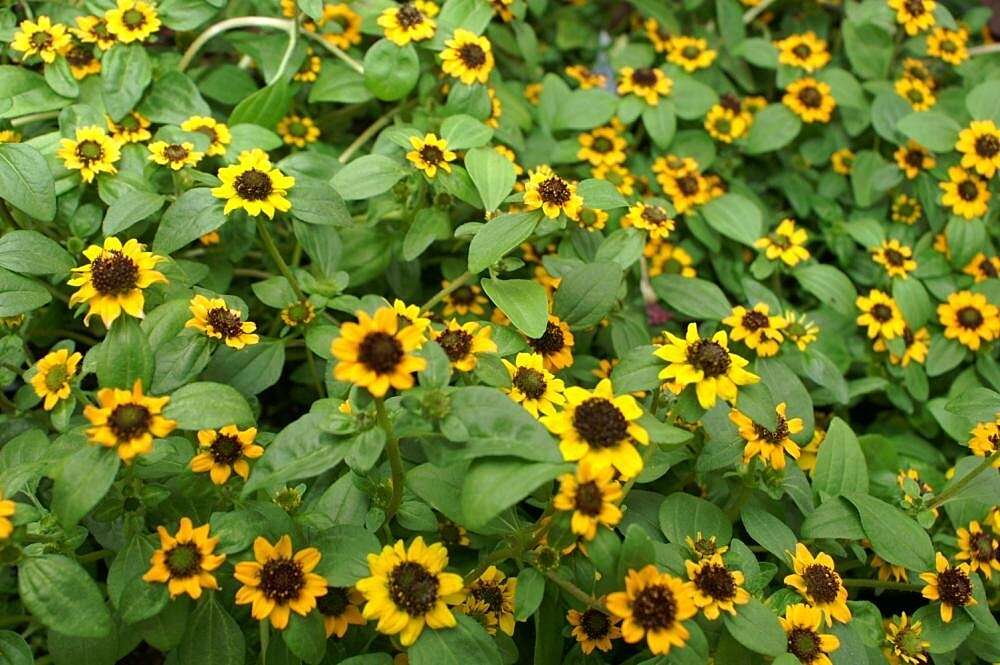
[(232, 24), (440, 295), (576, 592), (363, 137), (395, 460), (985, 49), (272, 250), (963, 482)]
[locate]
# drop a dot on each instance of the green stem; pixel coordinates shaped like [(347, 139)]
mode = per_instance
[(984, 49), (272, 250), (879, 584), (317, 384), (369, 132), (576, 592), (293, 37), (34, 117), (94, 556), (965, 480), (453, 286), (232, 24), (15, 620), (395, 460), (6, 216)]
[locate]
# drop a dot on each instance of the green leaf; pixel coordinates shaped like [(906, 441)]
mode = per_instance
[(496, 426), (734, 217), (524, 301), (83, 480), (391, 71), (345, 548), (773, 128), (367, 176), (316, 202), (757, 628), (840, 464), (829, 285), (584, 109), (19, 295), (493, 484), (194, 213), (467, 642), (600, 194), (130, 209), (300, 450), (125, 356), (306, 637), (769, 531), (869, 49), (14, 650), (31, 253), (932, 129), (661, 123), (691, 98), (730, 15), (60, 78), (587, 293), (637, 370), (249, 370), (491, 173), (60, 594), (914, 301), (173, 99), (530, 589), (683, 515), (429, 224), (693, 297), (498, 236), (977, 404), (834, 519), (338, 82), (943, 637), (126, 71), (212, 637), (205, 405), (462, 132), (26, 181), (265, 107), (895, 537), (982, 101)]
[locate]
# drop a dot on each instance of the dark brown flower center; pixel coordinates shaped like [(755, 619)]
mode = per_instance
[(881, 312), (413, 588), (804, 644), (450, 533), (226, 449), (89, 151), (129, 421), (472, 55), (113, 273), (810, 97), (175, 153), (915, 8), (432, 154), (77, 56), (551, 341), (915, 158), (595, 624), (644, 77), (209, 132), (253, 185), (987, 268), (335, 602), (981, 546), (654, 215), (779, 434), (715, 582), (688, 185), (380, 352), (225, 321), (281, 580), (183, 560), (589, 499), (456, 344), (754, 320), (968, 190), (731, 102), (894, 257), (600, 423), (463, 295), (970, 318), (655, 607), (530, 381), (908, 337), (409, 16), (954, 587), (554, 190), (710, 357), (491, 594), (822, 583), (987, 145), (802, 51)]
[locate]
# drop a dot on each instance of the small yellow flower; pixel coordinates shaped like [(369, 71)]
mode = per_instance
[(687, 189), (691, 53), (983, 267), (42, 38), (409, 22), (766, 444), (467, 57), (617, 175), (132, 20), (805, 51), (653, 606), (127, 420), (725, 124), (801, 330), (185, 560), (592, 219), (985, 439), (979, 144), (842, 161), (463, 343), (880, 314), (225, 451), (7, 509), (809, 452), (646, 83), (174, 155), (298, 130), (895, 257), (903, 642), (919, 95), (916, 345), (340, 608), (906, 210), (338, 24), (587, 78), (463, 300), (787, 243), (707, 364), (802, 624), (376, 354), (593, 629), (914, 158), (887, 571), (658, 35), (970, 318), (967, 194), (533, 386), (53, 376), (430, 153), (551, 193), (9, 136), (217, 320), (81, 60), (651, 218), (254, 185), (948, 45), (716, 589), (591, 495), (217, 133), (818, 582), (915, 16), (603, 145), (757, 328), (132, 128), (90, 152), (310, 69), (810, 100), (667, 258), (948, 584), (555, 345), (298, 314), (114, 278), (279, 582), (979, 549), (93, 30), (496, 591)]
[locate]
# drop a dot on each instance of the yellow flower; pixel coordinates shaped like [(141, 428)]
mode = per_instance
[(786, 243), (918, 69), (586, 77), (704, 548), (913, 158), (467, 57), (533, 386), (226, 451), (801, 330), (591, 495), (810, 451), (805, 51), (810, 100), (496, 108), (502, 8), (592, 219), (756, 328), (185, 560), (409, 589), (915, 16), (7, 508), (93, 30), (430, 153), (842, 161), (463, 300), (217, 320), (340, 609), (646, 83), (555, 345), (279, 582), (970, 318), (217, 133), (653, 606), (769, 445), (726, 125), (948, 45), (463, 343), (9, 136), (410, 315), (691, 53), (906, 210), (881, 315), (174, 155), (113, 279), (658, 35), (132, 20), (593, 629), (979, 549), (716, 588), (90, 153), (409, 22), (496, 591), (600, 429), (665, 257), (552, 194), (904, 644), (802, 625), (298, 314), (686, 189), (706, 364), (916, 345), (603, 145), (253, 185), (132, 128), (297, 130), (966, 193), (818, 582), (948, 584), (339, 24), (127, 420), (887, 570), (53, 375), (979, 144), (916, 92), (983, 267), (310, 69), (42, 38), (81, 61), (617, 175), (895, 257), (651, 218), (375, 354)]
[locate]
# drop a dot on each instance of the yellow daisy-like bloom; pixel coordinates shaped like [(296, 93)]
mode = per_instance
[(810, 451), (409, 589), (463, 343), (979, 549), (90, 152), (881, 315), (217, 133), (913, 158), (704, 548), (132, 21), (895, 257), (340, 608), (53, 375), (593, 629), (463, 300), (409, 22), (533, 386), (691, 53), (226, 451), (658, 35), (787, 243), (587, 78), (174, 155), (217, 320), (310, 69), (916, 344), (948, 584), (979, 144), (757, 328), (591, 495), (903, 642), (41, 37), (667, 258), (467, 57), (646, 83), (916, 92), (603, 145), (706, 364), (555, 345), (842, 161), (592, 219), (725, 124), (985, 438), (802, 625), (651, 218), (653, 606), (339, 24), (966, 193), (9, 136), (915, 16), (805, 51), (253, 185), (502, 8), (906, 210), (132, 128), (687, 190), (810, 100), (552, 194), (983, 267), (887, 571), (801, 330), (970, 318), (430, 153), (769, 445), (113, 279), (93, 30), (617, 175), (496, 591), (127, 420), (600, 429), (185, 560), (7, 508), (818, 582), (375, 353), (279, 582), (716, 588), (453, 534), (297, 130), (81, 60), (410, 315), (298, 314), (948, 45)]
